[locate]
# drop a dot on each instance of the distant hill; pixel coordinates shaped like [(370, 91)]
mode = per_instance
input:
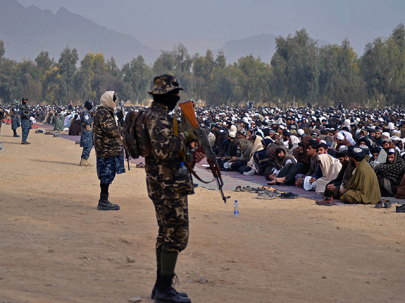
[(261, 45), (28, 31)]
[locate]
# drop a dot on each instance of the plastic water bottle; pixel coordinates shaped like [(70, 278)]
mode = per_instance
[(183, 169), (1, 145), (236, 209)]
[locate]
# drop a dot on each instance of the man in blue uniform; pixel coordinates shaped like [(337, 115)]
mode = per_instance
[(25, 121), (86, 139), (15, 118)]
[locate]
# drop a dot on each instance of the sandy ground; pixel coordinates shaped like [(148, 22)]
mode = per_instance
[(56, 247)]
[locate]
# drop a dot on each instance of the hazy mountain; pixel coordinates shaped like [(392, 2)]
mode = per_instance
[(28, 31), (263, 46)]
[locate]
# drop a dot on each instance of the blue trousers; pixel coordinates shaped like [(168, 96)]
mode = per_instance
[(86, 152), (107, 168), (25, 125)]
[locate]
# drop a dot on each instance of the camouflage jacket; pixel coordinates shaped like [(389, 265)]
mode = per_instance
[(106, 134), (162, 169)]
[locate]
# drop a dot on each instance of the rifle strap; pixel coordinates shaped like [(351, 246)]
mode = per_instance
[(182, 154)]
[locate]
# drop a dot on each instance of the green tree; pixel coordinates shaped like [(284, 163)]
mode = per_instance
[(66, 69), (137, 78)]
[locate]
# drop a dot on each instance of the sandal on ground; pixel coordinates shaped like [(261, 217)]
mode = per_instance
[(267, 188), (140, 165), (247, 189), (387, 204), (256, 190), (289, 195), (379, 205), (238, 188)]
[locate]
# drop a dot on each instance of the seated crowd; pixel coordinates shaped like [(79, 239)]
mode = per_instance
[(356, 156), (355, 160)]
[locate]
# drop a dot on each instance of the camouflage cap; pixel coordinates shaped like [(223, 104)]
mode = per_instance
[(164, 84)]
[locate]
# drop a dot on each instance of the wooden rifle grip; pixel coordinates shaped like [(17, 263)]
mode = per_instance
[(188, 111)]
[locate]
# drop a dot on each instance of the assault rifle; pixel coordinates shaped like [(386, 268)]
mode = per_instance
[(188, 111)]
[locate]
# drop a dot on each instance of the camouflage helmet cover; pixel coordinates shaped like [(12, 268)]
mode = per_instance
[(164, 84)]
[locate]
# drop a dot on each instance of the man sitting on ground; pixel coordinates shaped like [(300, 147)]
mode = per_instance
[(332, 190), (363, 185), (389, 174)]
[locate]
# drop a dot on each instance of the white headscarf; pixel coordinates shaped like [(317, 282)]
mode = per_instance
[(294, 142), (106, 99)]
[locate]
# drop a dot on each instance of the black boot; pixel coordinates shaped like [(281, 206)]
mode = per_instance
[(15, 134), (166, 293), (104, 204), (157, 284)]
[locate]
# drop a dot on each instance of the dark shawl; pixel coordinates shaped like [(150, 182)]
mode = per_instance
[(393, 172), (75, 128)]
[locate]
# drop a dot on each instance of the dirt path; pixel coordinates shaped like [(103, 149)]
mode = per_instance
[(56, 247)]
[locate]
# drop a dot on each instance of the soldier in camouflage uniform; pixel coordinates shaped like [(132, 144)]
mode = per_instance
[(167, 187), (86, 139), (15, 118), (108, 146), (25, 121)]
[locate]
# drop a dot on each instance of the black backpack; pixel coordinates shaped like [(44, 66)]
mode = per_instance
[(136, 138)]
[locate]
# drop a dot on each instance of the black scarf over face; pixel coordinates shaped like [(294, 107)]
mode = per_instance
[(88, 105), (169, 99)]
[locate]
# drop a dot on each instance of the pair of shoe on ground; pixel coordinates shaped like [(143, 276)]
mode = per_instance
[(385, 204), (249, 189), (267, 194)]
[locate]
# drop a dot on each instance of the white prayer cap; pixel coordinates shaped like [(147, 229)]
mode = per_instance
[(385, 134), (340, 136)]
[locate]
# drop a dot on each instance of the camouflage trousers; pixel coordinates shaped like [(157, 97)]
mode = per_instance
[(25, 125), (172, 219)]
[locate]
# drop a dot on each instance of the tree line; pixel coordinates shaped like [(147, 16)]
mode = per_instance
[(299, 72)]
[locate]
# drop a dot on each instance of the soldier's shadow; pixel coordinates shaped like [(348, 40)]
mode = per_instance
[(55, 162)]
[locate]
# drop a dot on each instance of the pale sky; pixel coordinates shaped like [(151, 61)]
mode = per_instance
[(209, 24)]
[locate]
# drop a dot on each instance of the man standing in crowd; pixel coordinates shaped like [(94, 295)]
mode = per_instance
[(15, 118), (108, 146), (25, 121), (86, 139), (168, 187)]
